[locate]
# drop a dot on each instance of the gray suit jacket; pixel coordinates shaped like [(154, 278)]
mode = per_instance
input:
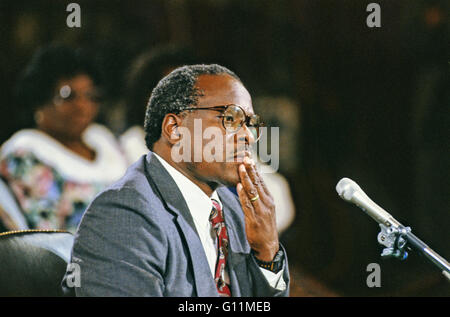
[(138, 238)]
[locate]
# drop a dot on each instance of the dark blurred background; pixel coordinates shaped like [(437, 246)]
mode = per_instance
[(372, 105)]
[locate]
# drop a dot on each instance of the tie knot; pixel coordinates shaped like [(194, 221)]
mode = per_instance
[(216, 204), (216, 213)]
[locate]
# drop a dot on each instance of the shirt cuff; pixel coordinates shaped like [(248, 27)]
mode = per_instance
[(275, 280)]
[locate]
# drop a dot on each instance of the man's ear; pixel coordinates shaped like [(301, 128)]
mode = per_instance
[(170, 126)]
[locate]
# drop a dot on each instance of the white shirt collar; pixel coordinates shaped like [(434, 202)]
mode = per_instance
[(198, 202)]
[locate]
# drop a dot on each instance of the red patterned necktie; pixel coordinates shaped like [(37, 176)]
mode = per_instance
[(218, 224)]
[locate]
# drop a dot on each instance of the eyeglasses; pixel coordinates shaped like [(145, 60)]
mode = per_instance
[(234, 117), (66, 93)]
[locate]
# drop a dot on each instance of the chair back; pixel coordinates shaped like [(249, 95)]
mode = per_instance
[(33, 262)]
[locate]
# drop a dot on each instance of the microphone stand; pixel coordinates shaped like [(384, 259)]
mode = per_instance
[(393, 235), (397, 239)]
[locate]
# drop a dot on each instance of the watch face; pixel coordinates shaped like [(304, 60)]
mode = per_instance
[(278, 256)]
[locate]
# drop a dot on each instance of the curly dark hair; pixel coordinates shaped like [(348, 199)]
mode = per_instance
[(173, 94), (48, 65)]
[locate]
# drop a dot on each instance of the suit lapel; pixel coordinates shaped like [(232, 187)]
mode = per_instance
[(176, 204)]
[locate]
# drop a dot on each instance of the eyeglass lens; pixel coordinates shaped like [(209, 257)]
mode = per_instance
[(234, 118), (66, 93)]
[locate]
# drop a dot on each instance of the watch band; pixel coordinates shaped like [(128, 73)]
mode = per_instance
[(275, 265)]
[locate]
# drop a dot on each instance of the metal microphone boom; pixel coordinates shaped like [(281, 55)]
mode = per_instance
[(393, 235)]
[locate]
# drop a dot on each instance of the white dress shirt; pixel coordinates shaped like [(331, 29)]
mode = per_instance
[(200, 207)]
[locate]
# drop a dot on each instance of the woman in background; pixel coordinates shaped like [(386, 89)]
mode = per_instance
[(56, 169)]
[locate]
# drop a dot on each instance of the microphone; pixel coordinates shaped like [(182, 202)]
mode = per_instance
[(351, 192), (393, 234)]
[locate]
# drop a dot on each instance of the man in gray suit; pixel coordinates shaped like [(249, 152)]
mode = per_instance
[(170, 227)]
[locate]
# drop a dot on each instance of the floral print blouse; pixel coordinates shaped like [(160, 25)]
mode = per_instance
[(52, 185)]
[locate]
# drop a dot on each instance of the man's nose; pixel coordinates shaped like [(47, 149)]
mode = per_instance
[(245, 134)]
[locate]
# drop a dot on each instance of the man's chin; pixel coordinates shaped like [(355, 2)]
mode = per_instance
[(231, 176), (227, 174)]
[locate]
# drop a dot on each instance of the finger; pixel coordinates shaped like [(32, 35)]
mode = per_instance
[(247, 206), (246, 182), (251, 170), (265, 189), (257, 179), (248, 186)]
